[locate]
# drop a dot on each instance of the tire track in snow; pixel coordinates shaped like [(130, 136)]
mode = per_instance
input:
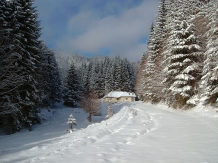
[(148, 125)]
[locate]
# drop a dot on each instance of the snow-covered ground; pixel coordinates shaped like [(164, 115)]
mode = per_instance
[(137, 133)]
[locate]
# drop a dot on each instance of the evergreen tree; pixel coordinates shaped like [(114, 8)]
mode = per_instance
[(117, 73), (26, 38), (160, 27), (95, 78), (73, 90), (209, 80), (48, 78), (139, 83), (101, 80), (9, 79), (93, 75), (107, 73), (182, 58), (150, 66), (125, 77), (21, 32), (153, 68), (84, 76)]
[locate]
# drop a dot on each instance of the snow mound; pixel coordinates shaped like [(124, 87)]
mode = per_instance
[(204, 111)]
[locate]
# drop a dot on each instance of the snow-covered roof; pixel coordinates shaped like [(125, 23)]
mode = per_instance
[(117, 94)]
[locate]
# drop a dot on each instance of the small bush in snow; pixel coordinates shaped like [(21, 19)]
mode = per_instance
[(109, 112), (71, 121), (132, 112)]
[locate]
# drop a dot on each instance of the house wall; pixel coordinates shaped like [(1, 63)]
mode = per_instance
[(127, 99), (110, 99), (121, 99)]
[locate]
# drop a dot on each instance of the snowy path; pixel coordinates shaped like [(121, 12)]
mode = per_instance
[(137, 133)]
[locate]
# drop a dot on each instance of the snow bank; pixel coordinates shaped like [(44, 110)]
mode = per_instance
[(204, 111)]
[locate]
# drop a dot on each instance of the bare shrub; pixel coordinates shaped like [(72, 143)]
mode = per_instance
[(91, 104)]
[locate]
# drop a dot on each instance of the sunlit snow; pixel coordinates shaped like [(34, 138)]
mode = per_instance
[(137, 133)]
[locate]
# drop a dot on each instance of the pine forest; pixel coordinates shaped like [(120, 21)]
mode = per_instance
[(179, 67)]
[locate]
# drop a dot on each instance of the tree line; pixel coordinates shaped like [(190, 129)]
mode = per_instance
[(180, 65), (98, 77)]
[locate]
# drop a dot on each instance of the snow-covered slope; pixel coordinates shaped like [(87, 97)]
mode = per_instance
[(138, 132)]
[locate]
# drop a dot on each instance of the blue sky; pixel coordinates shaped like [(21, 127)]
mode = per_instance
[(97, 27)]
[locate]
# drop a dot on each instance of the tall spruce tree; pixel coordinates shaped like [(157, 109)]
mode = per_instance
[(21, 39), (48, 77), (209, 80), (140, 77), (109, 80), (27, 40), (84, 75), (153, 68), (106, 76), (149, 66), (73, 91), (9, 79), (130, 75), (126, 77), (182, 54)]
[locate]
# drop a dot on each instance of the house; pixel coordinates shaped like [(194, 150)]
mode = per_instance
[(119, 96)]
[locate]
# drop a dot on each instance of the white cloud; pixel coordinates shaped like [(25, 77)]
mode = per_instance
[(135, 52), (89, 32), (118, 33)]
